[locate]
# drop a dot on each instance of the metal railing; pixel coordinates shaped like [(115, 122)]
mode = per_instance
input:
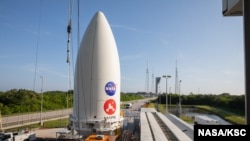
[(9, 122)]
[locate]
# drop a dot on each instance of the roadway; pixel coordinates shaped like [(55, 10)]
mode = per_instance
[(133, 122)]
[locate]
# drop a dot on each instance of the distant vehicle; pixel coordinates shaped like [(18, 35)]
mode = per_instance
[(205, 120), (128, 105), (16, 136)]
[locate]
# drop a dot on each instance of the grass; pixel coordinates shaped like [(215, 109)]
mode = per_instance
[(227, 115), (187, 119), (56, 123)]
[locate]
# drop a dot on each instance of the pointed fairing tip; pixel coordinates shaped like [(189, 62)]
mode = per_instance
[(99, 13), (98, 17)]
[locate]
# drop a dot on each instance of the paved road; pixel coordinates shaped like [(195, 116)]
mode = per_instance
[(48, 133)]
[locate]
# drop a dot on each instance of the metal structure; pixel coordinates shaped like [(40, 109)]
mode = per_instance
[(242, 8), (246, 17), (9, 122), (232, 7)]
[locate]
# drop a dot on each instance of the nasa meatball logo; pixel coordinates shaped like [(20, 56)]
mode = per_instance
[(110, 88), (109, 107)]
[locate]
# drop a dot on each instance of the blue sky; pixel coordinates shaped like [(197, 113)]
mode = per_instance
[(208, 47)]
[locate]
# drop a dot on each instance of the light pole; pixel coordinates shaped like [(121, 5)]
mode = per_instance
[(41, 122), (166, 76), (159, 94), (169, 95), (180, 96)]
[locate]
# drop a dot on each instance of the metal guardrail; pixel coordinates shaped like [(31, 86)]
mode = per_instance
[(9, 122)]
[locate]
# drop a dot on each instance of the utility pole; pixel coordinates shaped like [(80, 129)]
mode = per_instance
[(41, 122), (180, 96), (176, 79), (166, 77)]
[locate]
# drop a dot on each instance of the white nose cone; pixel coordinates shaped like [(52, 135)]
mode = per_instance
[(97, 77)]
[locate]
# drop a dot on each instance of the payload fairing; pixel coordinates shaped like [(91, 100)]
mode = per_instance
[(97, 80)]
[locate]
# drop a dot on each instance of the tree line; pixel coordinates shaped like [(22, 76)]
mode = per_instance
[(235, 103), (23, 101)]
